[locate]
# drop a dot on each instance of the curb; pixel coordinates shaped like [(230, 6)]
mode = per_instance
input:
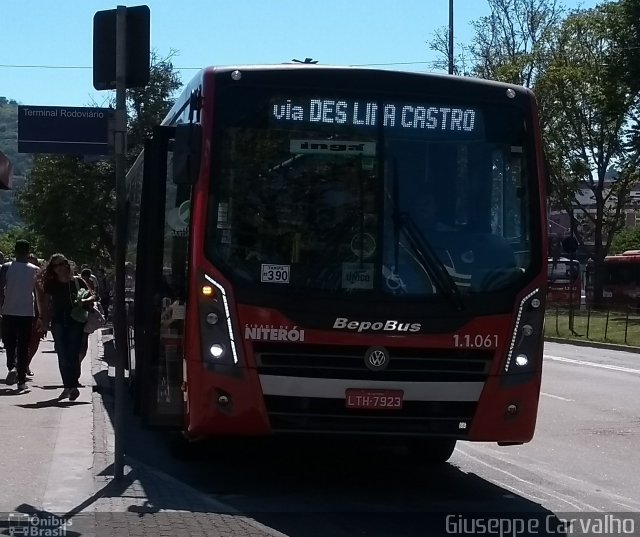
[(213, 505), (103, 443), (594, 344)]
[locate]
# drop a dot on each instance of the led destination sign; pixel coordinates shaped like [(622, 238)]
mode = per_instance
[(443, 119)]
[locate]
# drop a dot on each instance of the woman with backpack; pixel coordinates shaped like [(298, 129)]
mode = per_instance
[(60, 297)]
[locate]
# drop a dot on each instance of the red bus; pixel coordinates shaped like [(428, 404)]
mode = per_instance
[(345, 251), (621, 279), (564, 282)]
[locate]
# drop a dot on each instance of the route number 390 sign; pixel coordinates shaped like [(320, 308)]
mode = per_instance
[(275, 273)]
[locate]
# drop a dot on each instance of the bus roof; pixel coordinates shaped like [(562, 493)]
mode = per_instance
[(207, 72), (308, 66), (630, 256)]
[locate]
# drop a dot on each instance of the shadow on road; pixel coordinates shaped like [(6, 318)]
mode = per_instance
[(324, 486), (54, 402)]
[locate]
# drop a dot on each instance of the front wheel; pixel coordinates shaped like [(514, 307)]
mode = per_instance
[(430, 450)]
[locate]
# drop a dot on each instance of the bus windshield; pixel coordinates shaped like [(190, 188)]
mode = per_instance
[(313, 192)]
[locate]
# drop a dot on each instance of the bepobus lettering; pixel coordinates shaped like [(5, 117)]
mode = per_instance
[(390, 325)]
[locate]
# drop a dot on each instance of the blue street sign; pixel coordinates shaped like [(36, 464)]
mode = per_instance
[(64, 129)]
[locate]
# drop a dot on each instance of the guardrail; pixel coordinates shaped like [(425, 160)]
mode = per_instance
[(619, 325)]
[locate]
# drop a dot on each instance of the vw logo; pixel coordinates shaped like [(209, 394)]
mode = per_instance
[(376, 358)]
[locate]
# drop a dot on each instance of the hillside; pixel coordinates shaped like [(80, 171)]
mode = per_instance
[(21, 162)]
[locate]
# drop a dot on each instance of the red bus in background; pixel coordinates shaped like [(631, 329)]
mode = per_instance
[(342, 251), (564, 281), (621, 279)]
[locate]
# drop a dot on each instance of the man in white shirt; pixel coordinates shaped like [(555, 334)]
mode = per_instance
[(94, 279), (17, 288), (2, 260)]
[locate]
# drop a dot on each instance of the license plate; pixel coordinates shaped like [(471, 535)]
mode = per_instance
[(374, 399)]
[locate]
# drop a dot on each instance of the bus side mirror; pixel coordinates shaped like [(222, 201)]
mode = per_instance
[(186, 153)]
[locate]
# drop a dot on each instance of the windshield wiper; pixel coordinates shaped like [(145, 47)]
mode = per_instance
[(430, 261)]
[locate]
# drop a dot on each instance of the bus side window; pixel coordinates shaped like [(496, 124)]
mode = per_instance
[(186, 153)]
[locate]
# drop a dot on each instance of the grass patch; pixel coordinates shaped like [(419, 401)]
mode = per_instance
[(622, 328)]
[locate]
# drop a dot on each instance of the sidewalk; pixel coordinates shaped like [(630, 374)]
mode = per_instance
[(58, 475)]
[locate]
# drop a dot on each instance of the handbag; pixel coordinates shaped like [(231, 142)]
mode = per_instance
[(79, 313)]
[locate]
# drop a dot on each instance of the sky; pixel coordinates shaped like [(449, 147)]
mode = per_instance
[(46, 47)]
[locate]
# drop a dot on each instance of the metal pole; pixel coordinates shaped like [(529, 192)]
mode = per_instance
[(121, 237), (571, 280), (450, 37), (626, 325)]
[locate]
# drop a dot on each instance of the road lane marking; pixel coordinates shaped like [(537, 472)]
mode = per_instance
[(537, 487), (557, 397), (593, 364), (529, 464)]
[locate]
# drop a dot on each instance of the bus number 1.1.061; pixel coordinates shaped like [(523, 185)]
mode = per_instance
[(468, 341)]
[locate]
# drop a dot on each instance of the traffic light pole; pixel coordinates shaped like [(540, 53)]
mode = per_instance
[(121, 59), (120, 323), (450, 37)]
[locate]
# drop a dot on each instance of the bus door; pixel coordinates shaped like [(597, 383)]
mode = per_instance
[(161, 285)]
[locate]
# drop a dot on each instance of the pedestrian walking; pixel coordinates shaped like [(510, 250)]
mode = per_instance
[(17, 288), (36, 335), (60, 295), (91, 276), (2, 260), (86, 277), (104, 286)]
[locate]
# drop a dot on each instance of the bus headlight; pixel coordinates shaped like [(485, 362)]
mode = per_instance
[(219, 345), (522, 358), (216, 350)]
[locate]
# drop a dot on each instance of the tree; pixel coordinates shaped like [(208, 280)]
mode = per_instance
[(149, 105), (71, 202), (510, 44), (625, 16), (586, 115), (8, 240), (440, 43), (625, 64), (627, 239)]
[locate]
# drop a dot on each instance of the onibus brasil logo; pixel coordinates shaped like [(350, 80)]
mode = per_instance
[(37, 525)]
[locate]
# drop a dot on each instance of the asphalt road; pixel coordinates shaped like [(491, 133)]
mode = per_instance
[(584, 458), (585, 454)]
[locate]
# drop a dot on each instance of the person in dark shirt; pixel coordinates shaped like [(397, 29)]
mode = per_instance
[(57, 297)]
